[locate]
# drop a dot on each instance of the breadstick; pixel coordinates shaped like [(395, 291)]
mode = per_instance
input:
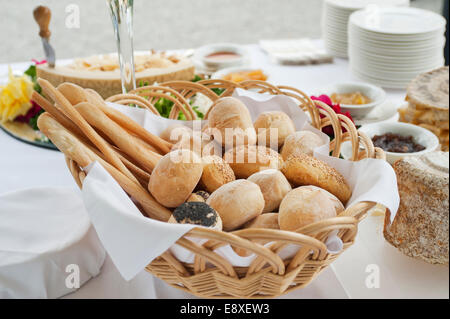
[(76, 94), (57, 114), (90, 133), (126, 142), (81, 154), (142, 176), (130, 125)]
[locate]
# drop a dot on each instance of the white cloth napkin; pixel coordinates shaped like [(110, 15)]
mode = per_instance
[(295, 51), (133, 241), (42, 232)]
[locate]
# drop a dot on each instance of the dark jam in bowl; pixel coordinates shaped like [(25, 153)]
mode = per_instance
[(396, 143)]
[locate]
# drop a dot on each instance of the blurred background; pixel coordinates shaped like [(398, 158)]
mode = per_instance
[(159, 24)]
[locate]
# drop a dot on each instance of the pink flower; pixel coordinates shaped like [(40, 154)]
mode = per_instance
[(336, 108), (32, 112), (38, 62)]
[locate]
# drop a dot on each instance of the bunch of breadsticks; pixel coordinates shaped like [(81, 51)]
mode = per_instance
[(85, 129)]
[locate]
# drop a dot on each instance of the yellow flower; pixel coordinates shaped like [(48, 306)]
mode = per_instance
[(15, 97)]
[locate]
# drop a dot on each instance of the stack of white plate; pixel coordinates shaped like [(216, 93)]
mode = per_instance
[(391, 46), (335, 17)]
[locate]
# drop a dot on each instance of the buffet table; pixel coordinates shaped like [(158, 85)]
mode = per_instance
[(23, 166)]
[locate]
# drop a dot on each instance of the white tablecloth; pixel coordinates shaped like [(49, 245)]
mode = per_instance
[(24, 166)]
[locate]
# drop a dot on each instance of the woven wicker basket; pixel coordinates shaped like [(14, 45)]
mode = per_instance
[(211, 275)]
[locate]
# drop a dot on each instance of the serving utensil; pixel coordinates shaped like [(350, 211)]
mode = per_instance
[(42, 15)]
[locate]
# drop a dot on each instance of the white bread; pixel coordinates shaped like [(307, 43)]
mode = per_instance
[(230, 122), (301, 142), (216, 172), (303, 169), (277, 121), (303, 206), (175, 132), (237, 203), (246, 160), (274, 187), (174, 177)]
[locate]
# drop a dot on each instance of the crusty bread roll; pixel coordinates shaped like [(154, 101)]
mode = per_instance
[(175, 132), (267, 220), (246, 160), (301, 142), (216, 172), (303, 206), (306, 170), (237, 203), (175, 177), (197, 213), (277, 121), (195, 142), (230, 122), (274, 187)]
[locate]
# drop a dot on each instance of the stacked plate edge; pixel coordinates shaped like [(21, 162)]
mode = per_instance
[(391, 46), (335, 15)]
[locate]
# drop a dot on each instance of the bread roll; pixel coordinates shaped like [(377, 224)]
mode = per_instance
[(175, 177), (216, 172), (277, 121), (301, 142), (274, 187), (230, 122), (303, 206), (197, 213), (194, 142), (306, 170), (246, 160), (237, 203), (203, 194), (174, 132), (196, 198), (268, 220)]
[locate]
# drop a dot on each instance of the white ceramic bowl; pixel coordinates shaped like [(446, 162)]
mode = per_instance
[(203, 52), (376, 94), (221, 73), (420, 135)]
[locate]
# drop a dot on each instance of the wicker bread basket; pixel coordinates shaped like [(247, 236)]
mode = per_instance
[(268, 276)]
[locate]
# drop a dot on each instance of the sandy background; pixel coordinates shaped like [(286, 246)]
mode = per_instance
[(160, 24)]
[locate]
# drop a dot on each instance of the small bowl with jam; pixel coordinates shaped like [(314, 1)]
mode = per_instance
[(221, 55), (398, 140), (357, 98)]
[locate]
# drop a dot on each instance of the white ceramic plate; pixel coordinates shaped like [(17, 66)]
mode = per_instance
[(383, 112), (352, 5), (398, 21)]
